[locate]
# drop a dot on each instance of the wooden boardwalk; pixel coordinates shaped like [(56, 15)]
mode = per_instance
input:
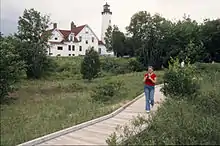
[(97, 133)]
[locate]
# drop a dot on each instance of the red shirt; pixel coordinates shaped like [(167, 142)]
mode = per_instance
[(148, 81)]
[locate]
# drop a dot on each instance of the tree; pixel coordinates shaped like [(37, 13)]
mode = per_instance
[(33, 45), (148, 32), (108, 39), (115, 41), (210, 36), (90, 66), (10, 67)]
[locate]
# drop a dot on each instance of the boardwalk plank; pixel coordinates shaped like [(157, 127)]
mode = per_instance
[(97, 133)]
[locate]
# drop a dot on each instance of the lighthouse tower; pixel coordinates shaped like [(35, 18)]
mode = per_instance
[(106, 20)]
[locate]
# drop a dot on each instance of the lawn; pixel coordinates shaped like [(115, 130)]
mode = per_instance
[(45, 106)]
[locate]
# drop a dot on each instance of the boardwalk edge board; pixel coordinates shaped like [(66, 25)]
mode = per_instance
[(79, 126)]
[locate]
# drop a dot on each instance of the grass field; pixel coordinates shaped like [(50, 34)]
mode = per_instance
[(41, 107)]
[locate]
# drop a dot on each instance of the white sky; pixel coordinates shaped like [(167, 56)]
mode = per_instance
[(89, 11)]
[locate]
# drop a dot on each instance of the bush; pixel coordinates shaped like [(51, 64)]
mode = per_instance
[(180, 82), (135, 65), (180, 122), (10, 68), (116, 65), (208, 100), (90, 66), (207, 67), (107, 91)]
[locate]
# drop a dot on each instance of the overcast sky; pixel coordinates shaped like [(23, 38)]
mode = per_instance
[(89, 11)]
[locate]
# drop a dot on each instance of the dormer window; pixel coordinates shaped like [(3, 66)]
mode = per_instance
[(87, 30), (71, 37)]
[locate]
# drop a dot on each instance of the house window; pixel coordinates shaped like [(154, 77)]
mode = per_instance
[(73, 48), (69, 47), (50, 53), (73, 54), (87, 30), (93, 39), (59, 48), (86, 41), (71, 38), (69, 54), (80, 38), (109, 21), (80, 48), (55, 38), (100, 50), (58, 55)]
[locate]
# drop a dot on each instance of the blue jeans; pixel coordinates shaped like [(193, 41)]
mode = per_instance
[(149, 94)]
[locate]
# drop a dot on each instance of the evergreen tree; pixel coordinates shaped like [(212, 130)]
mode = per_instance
[(90, 66)]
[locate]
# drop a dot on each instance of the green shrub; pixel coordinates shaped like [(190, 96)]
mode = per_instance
[(73, 87), (107, 91), (108, 64), (180, 82), (10, 68), (90, 66), (115, 65), (207, 67), (209, 102), (135, 65), (175, 123)]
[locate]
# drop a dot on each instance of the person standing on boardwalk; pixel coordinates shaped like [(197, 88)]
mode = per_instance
[(149, 86)]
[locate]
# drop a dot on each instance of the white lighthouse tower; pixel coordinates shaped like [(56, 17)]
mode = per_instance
[(106, 20)]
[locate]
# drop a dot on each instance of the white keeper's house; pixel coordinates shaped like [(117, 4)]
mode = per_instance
[(76, 40)]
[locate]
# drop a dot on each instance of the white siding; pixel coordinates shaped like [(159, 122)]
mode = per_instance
[(104, 51), (56, 36), (106, 22), (87, 35)]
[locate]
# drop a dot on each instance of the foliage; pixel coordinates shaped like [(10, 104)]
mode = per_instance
[(10, 67), (178, 81), (32, 43), (121, 65), (135, 65), (52, 105), (210, 36), (207, 67), (90, 66), (106, 92), (154, 39), (115, 41), (148, 32), (178, 122)]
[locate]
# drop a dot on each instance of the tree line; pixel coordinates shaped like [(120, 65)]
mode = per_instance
[(154, 39), (151, 39)]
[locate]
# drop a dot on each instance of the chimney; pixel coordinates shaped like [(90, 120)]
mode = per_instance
[(54, 25), (72, 26)]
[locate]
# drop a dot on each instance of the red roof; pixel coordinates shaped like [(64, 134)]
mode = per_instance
[(66, 33), (101, 43), (76, 31)]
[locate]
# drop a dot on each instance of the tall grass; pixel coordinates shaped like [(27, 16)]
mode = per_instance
[(41, 107), (184, 120)]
